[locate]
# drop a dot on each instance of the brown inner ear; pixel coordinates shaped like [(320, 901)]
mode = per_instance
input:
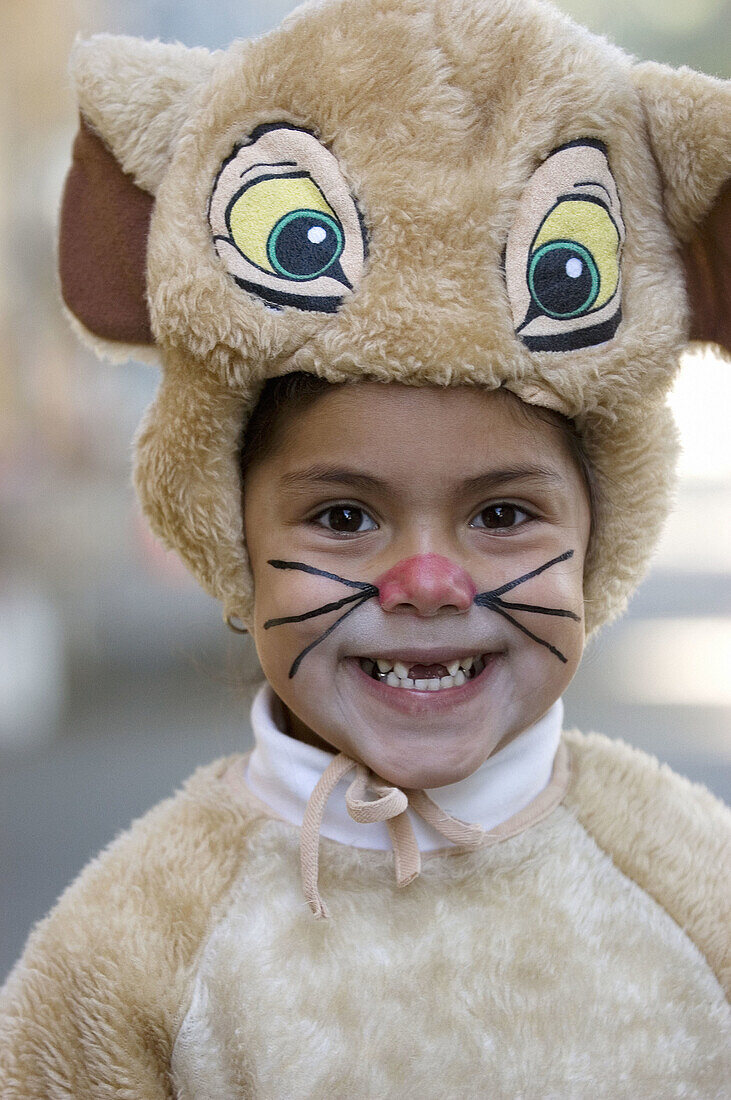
[(707, 259), (105, 220)]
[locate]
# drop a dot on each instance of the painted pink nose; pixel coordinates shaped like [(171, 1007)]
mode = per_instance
[(426, 584)]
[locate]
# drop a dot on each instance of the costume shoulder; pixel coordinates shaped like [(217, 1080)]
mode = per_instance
[(93, 1006), (669, 835)]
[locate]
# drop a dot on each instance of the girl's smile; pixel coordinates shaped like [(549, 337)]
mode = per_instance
[(421, 695), (424, 671)]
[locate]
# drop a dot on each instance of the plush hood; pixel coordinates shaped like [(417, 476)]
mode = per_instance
[(430, 192)]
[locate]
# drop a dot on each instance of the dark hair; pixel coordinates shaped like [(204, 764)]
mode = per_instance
[(298, 390), (279, 397)]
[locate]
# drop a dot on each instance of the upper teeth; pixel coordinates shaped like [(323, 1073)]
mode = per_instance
[(396, 673)]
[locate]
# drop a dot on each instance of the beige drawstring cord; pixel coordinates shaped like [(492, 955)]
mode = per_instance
[(390, 806)]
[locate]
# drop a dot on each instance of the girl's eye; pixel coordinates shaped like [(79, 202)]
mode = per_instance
[(345, 519), (500, 516)]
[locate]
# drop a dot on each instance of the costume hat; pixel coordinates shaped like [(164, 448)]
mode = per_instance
[(430, 192)]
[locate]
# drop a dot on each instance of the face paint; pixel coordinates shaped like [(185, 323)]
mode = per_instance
[(425, 578), (365, 592), (494, 601), (427, 496), (394, 586)]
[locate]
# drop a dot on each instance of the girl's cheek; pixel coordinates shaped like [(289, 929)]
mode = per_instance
[(278, 646), (564, 591)]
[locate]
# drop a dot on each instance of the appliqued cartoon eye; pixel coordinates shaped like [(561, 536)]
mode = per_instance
[(563, 256), (284, 221)]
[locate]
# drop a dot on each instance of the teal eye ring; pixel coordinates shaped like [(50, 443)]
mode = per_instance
[(304, 244), (563, 279)]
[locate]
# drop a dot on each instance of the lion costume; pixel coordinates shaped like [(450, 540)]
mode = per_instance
[(441, 192)]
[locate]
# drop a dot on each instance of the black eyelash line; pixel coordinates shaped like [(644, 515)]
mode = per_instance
[(365, 592), (494, 602)]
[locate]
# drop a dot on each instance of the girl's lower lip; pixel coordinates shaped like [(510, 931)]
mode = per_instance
[(417, 703)]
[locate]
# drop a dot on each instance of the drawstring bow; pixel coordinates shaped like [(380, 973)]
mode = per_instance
[(390, 805)]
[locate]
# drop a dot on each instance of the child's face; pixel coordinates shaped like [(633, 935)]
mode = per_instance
[(433, 496)]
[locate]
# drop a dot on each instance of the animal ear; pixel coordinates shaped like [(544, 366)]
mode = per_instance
[(688, 115), (134, 96), (102, 246)]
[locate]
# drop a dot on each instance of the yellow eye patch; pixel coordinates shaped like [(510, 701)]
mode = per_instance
[(563, 254), (284, 225), (573, 266), (285, 222)]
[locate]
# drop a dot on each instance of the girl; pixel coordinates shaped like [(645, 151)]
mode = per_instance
[(418, 275)]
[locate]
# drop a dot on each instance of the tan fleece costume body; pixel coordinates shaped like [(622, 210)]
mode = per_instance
[(436, 192), (585, 956)]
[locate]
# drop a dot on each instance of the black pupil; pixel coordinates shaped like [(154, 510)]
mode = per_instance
[(554, 289), (345, 519), (301, 252), (499, 515)]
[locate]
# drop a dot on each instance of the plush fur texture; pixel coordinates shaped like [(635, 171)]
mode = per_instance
[(138, 94), (438, 112), (688, 121), (184, 962), (92, 1007), (674, 843)]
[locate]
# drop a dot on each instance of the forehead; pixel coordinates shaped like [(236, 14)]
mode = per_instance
[(407, 429)]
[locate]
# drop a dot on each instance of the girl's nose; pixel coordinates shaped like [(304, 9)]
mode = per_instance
[(426, 584)]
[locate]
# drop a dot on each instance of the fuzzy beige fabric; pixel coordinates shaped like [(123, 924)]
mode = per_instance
[(534, 969), (437, 112), (91, 1009), (673, 842), (688, 116), (184, 962), (137, 94)]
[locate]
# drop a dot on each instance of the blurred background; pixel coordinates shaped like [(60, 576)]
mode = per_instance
[(117, 676)]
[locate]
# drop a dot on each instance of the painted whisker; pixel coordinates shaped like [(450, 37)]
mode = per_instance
[(298, 660), (526, 576), (539, 610), (312, 614), (365, 592), (279, 564), (492, 600), (525, 630)]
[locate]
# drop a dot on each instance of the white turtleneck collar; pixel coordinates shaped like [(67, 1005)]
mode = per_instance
[(282, 772)]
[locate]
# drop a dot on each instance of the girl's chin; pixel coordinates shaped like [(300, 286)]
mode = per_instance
[(423, 778), (420, 740)]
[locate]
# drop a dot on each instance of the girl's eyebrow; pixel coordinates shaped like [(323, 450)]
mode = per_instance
[(480, 484), (331, 475), (540, 476)]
